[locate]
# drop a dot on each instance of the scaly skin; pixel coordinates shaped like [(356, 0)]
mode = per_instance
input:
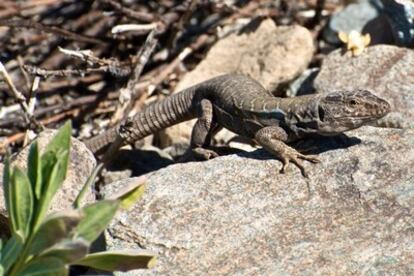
[(243, 106)]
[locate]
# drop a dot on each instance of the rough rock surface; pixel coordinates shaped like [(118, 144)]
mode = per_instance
[(269, 54), (238, 215), (81, 165), (386, 70)]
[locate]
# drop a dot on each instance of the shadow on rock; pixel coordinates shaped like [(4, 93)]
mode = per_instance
[(139, 162), (318, 144), (313, 145)]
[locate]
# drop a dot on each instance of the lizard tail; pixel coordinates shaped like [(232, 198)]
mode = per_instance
[(155, 117), (160, 115)]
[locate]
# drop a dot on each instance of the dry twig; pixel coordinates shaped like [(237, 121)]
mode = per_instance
[(19, 97), (51, 29)]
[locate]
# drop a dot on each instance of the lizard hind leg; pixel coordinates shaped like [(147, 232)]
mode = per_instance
[(272, 139), (204, 130)]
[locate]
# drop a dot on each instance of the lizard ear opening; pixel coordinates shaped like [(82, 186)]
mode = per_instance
[(321, 113)]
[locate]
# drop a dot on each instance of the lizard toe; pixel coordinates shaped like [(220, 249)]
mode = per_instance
[(299, 164), (285, 163), (295, 158), (310, 158)]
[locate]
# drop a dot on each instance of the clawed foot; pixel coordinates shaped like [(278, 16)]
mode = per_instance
[(295, 157), (272, 139)]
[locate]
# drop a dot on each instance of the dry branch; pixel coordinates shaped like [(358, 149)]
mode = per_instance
[(51, 29), (21, 99)]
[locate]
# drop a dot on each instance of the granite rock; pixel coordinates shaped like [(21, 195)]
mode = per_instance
[(238, 215)]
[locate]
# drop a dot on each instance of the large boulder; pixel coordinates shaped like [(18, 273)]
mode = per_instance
[(238, 215)]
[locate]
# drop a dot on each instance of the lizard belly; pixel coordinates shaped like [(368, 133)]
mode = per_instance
[(241, 126)]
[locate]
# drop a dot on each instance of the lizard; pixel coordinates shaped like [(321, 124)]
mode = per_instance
[(243, 106)]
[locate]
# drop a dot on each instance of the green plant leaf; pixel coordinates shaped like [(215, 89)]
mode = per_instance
[(54, 229), (7, 175), (56, 179), (62, 138), (122, 260), (56, 176), (68, 250), (130, 198), (61, 142), (11, 251), (97, 217), (54, 167), (34, 169), (87, 185), (131, 194), (51, 171), (44, 267), (22, 202)]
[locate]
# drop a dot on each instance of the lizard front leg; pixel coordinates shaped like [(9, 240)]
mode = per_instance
[(272, 139)]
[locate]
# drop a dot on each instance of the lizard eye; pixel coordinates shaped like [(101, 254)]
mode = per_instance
[(352, 102)]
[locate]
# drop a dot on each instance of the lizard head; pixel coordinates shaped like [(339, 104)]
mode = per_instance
[(345, 110)]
